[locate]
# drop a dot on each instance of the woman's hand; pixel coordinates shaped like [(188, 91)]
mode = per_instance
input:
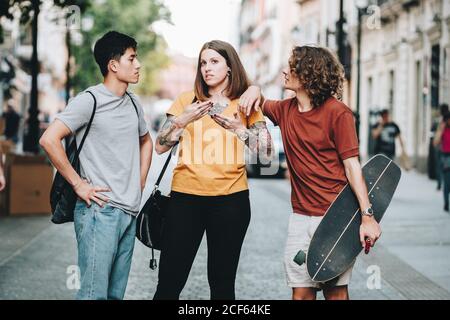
[(193, 112), (229, 123), (249, 100)]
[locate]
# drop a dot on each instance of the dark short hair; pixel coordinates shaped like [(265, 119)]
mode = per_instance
[(384, 112), (446, 116), (443, 108), (111, 46)]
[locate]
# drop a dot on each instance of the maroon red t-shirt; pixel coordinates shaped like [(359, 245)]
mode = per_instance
[(316, 143), (445, 145)]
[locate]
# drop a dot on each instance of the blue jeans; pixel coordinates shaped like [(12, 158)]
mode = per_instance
[(105, 238), (446, 175)]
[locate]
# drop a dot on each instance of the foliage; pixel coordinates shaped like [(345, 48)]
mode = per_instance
[(133, 19)]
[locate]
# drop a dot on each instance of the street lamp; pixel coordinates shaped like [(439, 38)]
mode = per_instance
[(31, 136), (361, 6), (340, 32)]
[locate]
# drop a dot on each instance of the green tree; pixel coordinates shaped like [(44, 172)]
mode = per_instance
[(29, 12), (133, 19)]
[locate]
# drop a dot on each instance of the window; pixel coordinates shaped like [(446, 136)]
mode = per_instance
[(435, 61), (391, 94)]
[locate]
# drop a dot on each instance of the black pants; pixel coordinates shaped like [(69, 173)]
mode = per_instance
[(225, 220)]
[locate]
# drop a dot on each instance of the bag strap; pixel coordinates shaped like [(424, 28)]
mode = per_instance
[(88, 126), (161, 175), (132, 101), (168, 158)]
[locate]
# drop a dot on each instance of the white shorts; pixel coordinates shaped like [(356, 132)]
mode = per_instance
[(301, 230)]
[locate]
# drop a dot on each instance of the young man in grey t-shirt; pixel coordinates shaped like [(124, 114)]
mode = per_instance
[(115, 160)]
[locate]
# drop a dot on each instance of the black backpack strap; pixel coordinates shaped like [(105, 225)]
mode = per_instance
[(88, 126), (132, 101)]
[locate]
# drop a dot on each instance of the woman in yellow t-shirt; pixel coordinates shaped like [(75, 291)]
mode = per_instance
[(209, 187)]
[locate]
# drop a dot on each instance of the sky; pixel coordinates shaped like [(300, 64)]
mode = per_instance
[(198, 21)]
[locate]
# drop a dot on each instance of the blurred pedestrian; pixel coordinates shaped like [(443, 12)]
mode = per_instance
[(12, 122), (209, 187), (438, 153), (321, 145), (442, 141), (114, 161), (385, 134), (2, 174)]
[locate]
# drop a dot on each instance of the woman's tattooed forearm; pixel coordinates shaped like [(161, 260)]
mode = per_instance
[(169, 133), (260, 141)]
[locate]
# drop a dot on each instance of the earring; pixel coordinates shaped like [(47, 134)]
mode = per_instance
[(229, 73)]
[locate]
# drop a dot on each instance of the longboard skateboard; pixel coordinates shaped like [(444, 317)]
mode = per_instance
[(336, 243)]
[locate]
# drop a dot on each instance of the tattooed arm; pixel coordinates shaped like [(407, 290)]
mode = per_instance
[(173, 128), (168, 135), (257, 138)]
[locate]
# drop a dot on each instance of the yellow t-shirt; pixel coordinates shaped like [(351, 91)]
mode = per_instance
[(211, 159)]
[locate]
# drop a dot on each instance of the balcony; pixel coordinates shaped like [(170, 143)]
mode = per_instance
[(391, 9), (405, 4)]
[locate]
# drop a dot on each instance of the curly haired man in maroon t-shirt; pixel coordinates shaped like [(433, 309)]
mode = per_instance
[(322, 150)]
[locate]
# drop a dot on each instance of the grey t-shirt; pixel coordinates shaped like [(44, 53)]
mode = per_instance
[(110, 156)]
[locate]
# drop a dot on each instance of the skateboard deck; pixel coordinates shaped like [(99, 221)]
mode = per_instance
[(336, 243)]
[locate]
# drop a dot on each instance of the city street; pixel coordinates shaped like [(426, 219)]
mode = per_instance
[(385, 62), (37, 258)]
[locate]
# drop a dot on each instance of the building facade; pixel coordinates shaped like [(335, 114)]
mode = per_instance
[(404, 57), (267, 28), (405, 69), (16, 49)]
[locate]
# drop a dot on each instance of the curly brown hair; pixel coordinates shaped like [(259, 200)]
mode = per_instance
[(319, 71)]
